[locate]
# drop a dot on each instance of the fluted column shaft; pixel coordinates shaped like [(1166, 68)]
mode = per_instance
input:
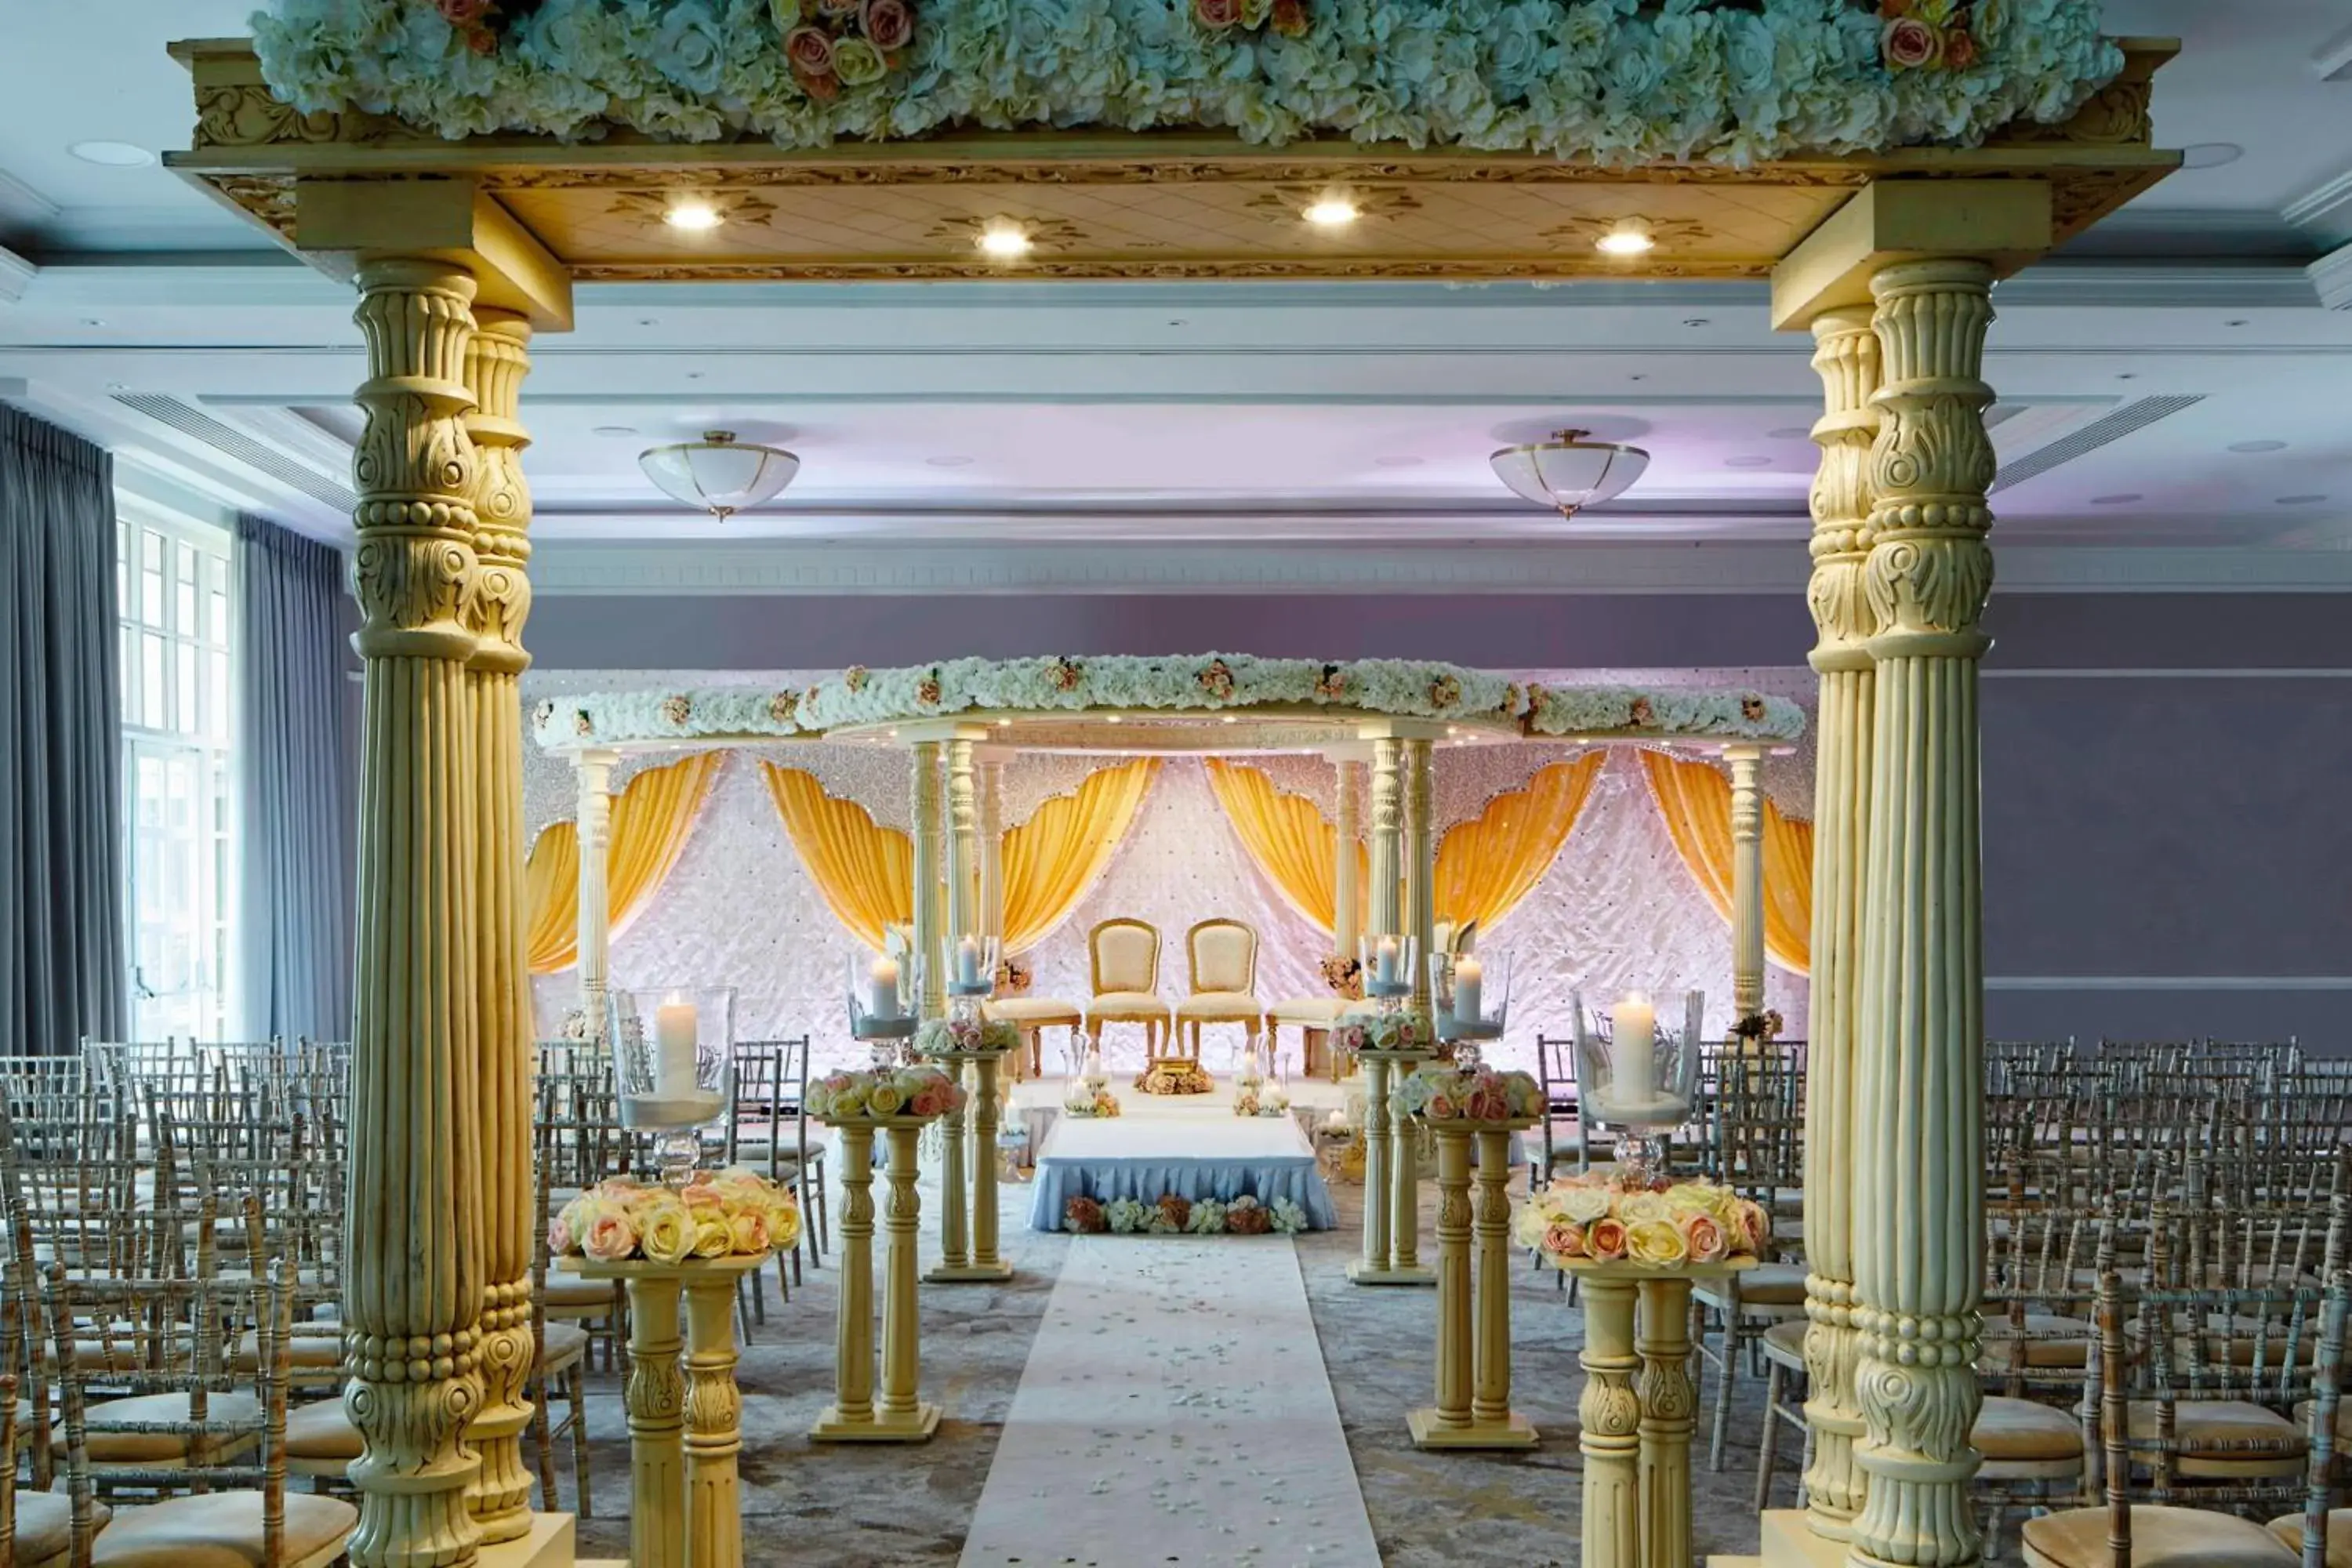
[(992, 848), (1747, 881), (496, 362), (928, 844), (1388, 825), (1918, 1216), (1846, 356), (1420, 862), (412, 1294), (1347, 899), (593, 831)]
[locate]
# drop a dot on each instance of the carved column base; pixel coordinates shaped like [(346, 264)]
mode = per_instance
[(1611, 1414), (501, 1495), (1834, 1487)]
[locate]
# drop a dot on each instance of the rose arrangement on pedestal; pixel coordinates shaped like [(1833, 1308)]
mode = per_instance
[(733, 1212), (1174, 1215), (1400, 1031), (1437, 1093), (884, 1092), (1598, 1219), (965, 1036)]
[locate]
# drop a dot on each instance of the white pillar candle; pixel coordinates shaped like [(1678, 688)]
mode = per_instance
[(1094, 1068), (675, 1026), (1633, 1049), (882, 988), (968, 962), (1468, 974), (1384, 964)]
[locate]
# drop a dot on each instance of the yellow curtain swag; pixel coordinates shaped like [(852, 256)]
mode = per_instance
[(864, 871), (1485, 868), (1695, 798), (652, 818), (1054, 859), (1288, 839)]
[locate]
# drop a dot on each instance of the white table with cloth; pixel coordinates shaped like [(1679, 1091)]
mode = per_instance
[(1221, 1156)]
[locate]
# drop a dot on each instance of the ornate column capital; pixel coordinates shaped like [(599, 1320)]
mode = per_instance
[(497, 360), (1846, 358)]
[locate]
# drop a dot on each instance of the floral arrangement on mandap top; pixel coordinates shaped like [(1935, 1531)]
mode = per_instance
[(731, 1213), (1438, 1093), (1085, 1097), (965, 1036), (1174, 1215), (882, 1093), (1597, 1218)]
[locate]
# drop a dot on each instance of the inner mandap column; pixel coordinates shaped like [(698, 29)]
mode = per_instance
[(592, 832), (1347, 895), (496, 362), (1918, 1094), (1846, 357), (414, 1288), (1747, 881), (1387, 824)]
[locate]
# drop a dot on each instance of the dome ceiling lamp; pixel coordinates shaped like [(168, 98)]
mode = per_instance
[(1569, 473), (719, 473)]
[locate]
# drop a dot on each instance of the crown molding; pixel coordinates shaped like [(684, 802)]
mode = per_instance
[(785, 569), (2331, 279), (22, 206), (2325, 211), (17, 276)]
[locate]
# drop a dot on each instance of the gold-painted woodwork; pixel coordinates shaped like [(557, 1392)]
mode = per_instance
[(338, 220), (2003, 223)]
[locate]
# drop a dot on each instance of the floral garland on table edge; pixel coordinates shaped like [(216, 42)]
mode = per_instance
[(1084, 1098), (1437, 1093), (879, 1092), (1400, 1031), (1597, 1218), (965, 1036), (1611, 81), (734, 1213), (1174, 1215), (1262, 1100)]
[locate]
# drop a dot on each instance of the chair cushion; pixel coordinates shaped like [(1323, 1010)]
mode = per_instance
[(1222, 1007), (2161, 1538), (140, 1447), (44, 1524), (2053, 1341), (1766, 1285), (1032, 1010), (573, 1293), (321, 1431), (2202, 1428), (561, 1344), (1127, 1004), (222, 1531), (1312, 1011), (2020, 1429), (1785, 1342), (322, 1351), (2288, 1527)]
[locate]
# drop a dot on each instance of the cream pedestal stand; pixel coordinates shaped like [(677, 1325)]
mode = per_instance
[(855, 1415), (1637, 1434), (1392, 1179), (982, 1267), (1474, 1363), (686, 1507)]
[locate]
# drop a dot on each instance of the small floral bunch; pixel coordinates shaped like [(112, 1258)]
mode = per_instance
[(1287, 18), (1764, 1026), (1174, 1215), (1175, 1075), (1345, 976), (482, 23), (1267, 1100), (676, 709), (1014, 978), (965, 1036), (856, 676), (882, 1092), (1170, 1215), (927, 689), (730, 1213), (834, 44), (1124, 1216), (1331, 685), (1084, 1217), (1084, 1098), (782, 706), (1920, 34), (1444, 691), (1436, 1093), (1216, 679), (1247, 1216), (1066, 674), (1601, 1219), (1400, 1031)]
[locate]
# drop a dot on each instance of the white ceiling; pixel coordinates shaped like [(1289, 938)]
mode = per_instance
[(1150, 415)]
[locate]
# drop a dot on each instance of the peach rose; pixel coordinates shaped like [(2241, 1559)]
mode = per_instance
[(810, 50), (1218, 14), (928, 1102), (1704, 1238), (1488, 1105), (1959, 49), (610, 1238), (1564, 1239), (559, 1238), (749, 1233), (1441, 1108), (890, 25), (1605, 1240), (1755, 1226), (1909, 43)]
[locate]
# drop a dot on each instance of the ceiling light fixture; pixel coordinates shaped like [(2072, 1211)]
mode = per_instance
[(1631, 237), (1005, 241), (1332, 211), (1569, 473), (614, 430), (718, 474), (693, 215), (112, 154), (2257, 446)]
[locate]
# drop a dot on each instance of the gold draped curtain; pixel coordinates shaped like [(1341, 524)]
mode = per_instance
[(864, 871), (1485, 867), (1052, 860), (1287, 836), (652, 817), (1696, 800)]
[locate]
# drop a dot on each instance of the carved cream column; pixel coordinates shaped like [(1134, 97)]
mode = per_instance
[(1386, 832), (1918, 1214), (929, 915), (962, 840), (1347, 896), (1669, 1402), (495, 363), (1420, 856), (991, 847), (412, 1294), (1846, 356), (1746, 882), (593, 831), (1374, 1263), (1611, 1412)]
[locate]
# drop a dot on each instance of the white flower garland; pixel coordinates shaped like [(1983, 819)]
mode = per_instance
[(1610, 80), (1204, 682)]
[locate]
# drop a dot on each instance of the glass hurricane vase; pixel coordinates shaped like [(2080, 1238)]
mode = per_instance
[(671, 1050), (1637, 1076)]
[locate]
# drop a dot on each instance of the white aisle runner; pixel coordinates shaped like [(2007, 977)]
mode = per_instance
[(1174, 1411)]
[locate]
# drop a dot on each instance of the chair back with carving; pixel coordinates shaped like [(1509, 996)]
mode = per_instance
[(1126, 956), (1223, 956)]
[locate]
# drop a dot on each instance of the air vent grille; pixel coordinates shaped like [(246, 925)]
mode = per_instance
[(2135, 415), (231, 442)]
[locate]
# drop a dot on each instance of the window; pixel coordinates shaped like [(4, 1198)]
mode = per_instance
[(171, 580)]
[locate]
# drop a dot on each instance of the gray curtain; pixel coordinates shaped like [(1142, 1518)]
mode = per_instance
[(61, 965), (294, 759)]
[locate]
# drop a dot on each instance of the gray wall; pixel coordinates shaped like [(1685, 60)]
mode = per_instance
[(2165, 853)]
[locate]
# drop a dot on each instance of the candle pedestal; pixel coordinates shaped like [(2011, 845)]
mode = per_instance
[(1474, 1325), (684, 1431), (1392, 1177), (855, 1415), (1638, 1410), (981, 1264)]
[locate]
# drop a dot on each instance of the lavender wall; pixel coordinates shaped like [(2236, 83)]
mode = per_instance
[(2165, 853)]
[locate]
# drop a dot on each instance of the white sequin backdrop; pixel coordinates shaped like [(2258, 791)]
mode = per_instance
[(1617, 910)]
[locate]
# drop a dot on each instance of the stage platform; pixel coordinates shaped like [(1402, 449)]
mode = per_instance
[(1202, 1150)]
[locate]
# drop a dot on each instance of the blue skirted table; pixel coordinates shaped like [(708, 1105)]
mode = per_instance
[(1145, 1158)]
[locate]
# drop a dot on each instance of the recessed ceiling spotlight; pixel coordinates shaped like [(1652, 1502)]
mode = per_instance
[(614, 430), (2126, 375), (1228, 719), (1631, 237), (2301, 500), (1790, 433), (1747, 462), (1005, 241), (112, 154), (1005, 723), (649, 321), (2257, 446), (1114, 718), (2125, 500), (1396, 460), (2238, 321), (693, 215), (2210, 154), (93, 320), (1697, 322), (949, 460), (1332, 210)]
